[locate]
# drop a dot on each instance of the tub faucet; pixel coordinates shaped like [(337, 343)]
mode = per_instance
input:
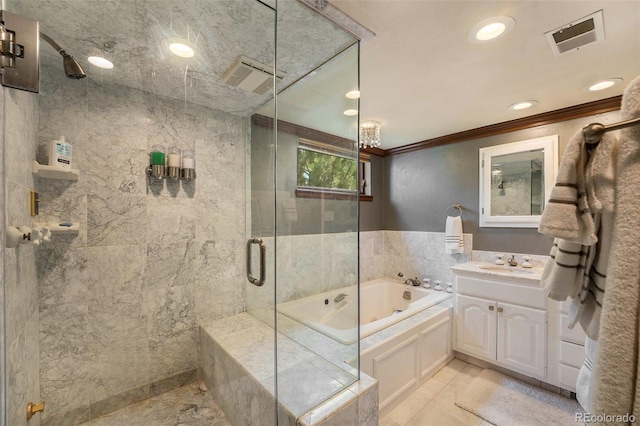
[(413, 281), (340, 297), (512, 261)]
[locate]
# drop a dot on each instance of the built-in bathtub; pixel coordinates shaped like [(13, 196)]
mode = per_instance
[(382, 304)]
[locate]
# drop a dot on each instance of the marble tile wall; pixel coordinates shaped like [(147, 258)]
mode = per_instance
[(2, 283), (20, 281), (415, 254), (120, 301)]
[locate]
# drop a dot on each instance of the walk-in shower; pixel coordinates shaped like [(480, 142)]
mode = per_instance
[(112, 310)]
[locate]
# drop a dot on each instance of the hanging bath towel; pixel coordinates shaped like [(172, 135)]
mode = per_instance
[(454, 242)]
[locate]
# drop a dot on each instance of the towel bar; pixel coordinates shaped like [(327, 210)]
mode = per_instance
[(454, 206)]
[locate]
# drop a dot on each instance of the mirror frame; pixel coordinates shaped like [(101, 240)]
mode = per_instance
[(549, 145)]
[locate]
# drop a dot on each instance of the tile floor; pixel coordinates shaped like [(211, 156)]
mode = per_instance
[(433, 404), (190, 405)]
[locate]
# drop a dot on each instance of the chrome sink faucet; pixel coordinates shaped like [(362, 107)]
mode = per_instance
[(512, 261), (413, 281)]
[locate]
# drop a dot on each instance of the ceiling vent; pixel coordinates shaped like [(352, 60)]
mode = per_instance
[(577, 34), (251, 75)]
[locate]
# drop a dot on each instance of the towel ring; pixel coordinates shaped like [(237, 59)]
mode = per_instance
[(456, 207)]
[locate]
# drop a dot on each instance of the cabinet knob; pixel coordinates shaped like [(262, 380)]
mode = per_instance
[(500, 309), (491, 307)]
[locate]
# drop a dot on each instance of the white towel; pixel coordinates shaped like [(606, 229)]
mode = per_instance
[(567, 214), (616, 387), (580, 216), (454, 239)]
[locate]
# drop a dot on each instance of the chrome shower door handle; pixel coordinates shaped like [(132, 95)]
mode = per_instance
[(263, 268)]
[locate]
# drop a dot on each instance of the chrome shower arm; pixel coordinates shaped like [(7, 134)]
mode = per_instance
[(55, 45)]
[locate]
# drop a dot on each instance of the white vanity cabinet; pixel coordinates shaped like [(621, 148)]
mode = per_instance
[(566, 347), (503, 322), (503, 317)]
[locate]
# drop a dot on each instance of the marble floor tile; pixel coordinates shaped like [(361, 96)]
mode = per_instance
[(433, 404), (411, 405), (190, 405), (448, 372)]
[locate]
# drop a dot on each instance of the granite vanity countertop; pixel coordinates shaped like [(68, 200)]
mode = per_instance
[(488, 269)]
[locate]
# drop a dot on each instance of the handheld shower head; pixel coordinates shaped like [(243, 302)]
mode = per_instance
[(72, 68)]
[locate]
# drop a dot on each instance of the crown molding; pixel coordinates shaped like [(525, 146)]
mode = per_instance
[(564, 114)]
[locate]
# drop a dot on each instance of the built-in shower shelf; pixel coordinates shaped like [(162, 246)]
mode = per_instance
[(53, 172), (55, 227)]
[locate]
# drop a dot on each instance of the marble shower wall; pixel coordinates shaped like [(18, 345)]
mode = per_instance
[(120, 301), (20, 281), (415, 254)]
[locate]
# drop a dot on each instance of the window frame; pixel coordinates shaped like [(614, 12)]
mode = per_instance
[(338, 150)]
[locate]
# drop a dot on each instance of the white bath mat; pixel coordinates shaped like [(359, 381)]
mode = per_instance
[(505, 401)]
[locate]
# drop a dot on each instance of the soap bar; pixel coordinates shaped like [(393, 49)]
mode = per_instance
[(67, 224)]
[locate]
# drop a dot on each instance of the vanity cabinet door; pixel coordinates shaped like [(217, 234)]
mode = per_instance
[(522, 338), (476, 326)]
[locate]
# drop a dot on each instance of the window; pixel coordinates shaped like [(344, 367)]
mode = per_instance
[(322, 170), (330, 171)]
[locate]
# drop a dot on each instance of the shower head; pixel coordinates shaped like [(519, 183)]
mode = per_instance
[(72, 68)]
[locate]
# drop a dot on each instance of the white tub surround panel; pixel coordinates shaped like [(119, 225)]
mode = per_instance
[(405, 355)]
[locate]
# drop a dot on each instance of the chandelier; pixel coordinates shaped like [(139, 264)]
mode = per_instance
[(369, 134)]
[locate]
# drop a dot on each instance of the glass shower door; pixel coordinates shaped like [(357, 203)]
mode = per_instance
[(302, 211), (317, 235)]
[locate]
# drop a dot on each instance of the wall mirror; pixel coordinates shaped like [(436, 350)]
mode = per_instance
[(515, 182)]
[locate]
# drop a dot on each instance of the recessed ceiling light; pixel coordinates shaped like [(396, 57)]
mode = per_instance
[(100, 62), (604, 84), (351, 112), (181, 47), (491, 29), (522, 105), (354, 94)]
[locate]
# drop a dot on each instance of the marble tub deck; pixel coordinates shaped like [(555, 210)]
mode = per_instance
[(312, 387), (191, 405)]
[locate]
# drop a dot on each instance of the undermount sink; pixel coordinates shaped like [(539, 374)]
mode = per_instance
[(506, 269)]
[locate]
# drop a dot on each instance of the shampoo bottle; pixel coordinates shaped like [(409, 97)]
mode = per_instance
[(60, 153)]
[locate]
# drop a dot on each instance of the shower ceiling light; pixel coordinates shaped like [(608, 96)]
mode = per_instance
[(181, 47), (351, 112), (522, 105), (369, 134), (604, 84), (490, 29), (100, 62), (354, 94)]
